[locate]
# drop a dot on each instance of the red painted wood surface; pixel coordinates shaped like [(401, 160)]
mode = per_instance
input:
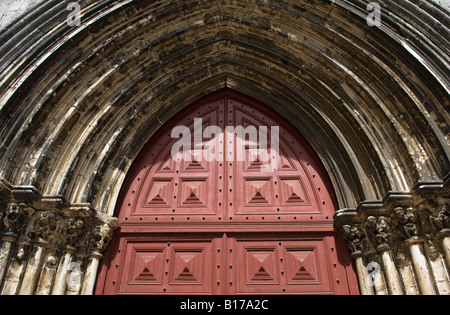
[(193, 226)]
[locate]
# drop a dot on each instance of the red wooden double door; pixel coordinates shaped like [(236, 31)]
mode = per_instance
[(227, 199)]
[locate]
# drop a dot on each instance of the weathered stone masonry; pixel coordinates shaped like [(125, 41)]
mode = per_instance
[(408, 236), (48, 246), (77, 104)]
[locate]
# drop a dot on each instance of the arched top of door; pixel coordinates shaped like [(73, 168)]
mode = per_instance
[(227, 158)]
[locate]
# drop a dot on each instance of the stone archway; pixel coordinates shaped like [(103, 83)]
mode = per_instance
[(78, 103)]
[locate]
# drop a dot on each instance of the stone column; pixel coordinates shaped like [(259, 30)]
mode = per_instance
[(45, 283), (43, 229), (101, 237), (90, 276), (438, 266), (16, 268), (363, 275), (33, 270), (6, 245), (421, 266), (436, 227), (60, 284), (74, 279), (378, 276), (446, 246), (440, 225), (378, 239), (76, 232), (407, 271), (384, 238), (409, 280), (51, 247), (354, 236), (411, 234), (392, 275), (17, 247)]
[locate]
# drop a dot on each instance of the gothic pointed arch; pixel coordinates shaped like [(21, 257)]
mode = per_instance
[(79, 102), (227, 171)]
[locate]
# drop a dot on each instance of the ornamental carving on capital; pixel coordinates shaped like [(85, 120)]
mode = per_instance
[(102, 235), (14, 220), (354, 235), (378, 233), (383, 234), (441, 221), (76, 232), (45, 227), (405, 223)]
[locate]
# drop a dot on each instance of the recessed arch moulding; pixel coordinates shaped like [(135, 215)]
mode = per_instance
[(77, 104)]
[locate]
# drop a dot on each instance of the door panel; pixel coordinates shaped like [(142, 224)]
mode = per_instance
[(146, 268), (283, 266), (190, 268), (258, 267), (228, 264), (274, 184), (306, 267), (151, 266), (171, 187)]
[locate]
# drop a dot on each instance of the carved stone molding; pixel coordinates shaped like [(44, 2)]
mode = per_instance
[(15, 218), (48, 246), (413, 228)]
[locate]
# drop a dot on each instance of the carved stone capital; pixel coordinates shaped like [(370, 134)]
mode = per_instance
[(41, 236), (404, 222), (355, 236), (440, 221), (76, 232), (78, 229), (383, 234), (102, 235), (400, 220), (45, 227), (15, 218)]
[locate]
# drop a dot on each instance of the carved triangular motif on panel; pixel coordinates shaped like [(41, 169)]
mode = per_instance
[(258, 198), (256, 164), (158, 200), (148, 264), (193, 192), (259, 191), (192, 200), (304, 265), (188, 266), (168, 165), (303, 274), (294, 198), (262, 273), (159, 193), (292, 191), (286, 163), (186, 275), (261, 266), (194, 165)]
